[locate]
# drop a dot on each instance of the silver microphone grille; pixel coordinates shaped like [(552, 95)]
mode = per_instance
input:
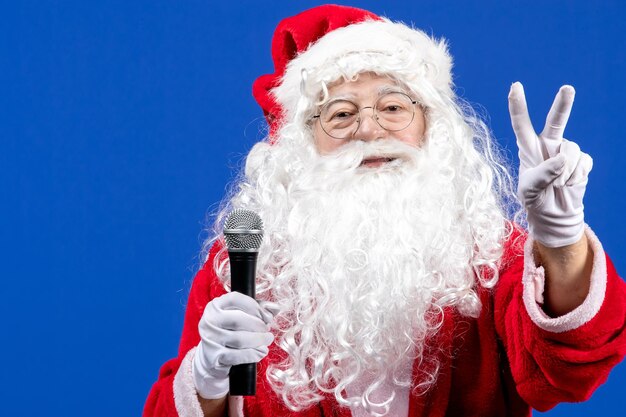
[(243, 231)]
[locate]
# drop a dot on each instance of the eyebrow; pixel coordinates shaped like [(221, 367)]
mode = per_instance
[(381, 92)]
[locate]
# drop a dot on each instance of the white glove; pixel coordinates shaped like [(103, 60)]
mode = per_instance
[(553, 171), (234, 329)]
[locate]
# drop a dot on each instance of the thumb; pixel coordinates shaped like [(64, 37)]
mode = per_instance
[(538, 178)]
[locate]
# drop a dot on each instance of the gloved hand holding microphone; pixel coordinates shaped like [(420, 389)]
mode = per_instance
[(234, 328)]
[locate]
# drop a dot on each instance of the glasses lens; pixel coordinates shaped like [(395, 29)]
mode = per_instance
[(339, 118), (395, 111)]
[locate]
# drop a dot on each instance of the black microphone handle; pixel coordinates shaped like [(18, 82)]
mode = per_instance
[(242, 378)]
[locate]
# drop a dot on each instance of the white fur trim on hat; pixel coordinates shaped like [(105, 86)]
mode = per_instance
[(383, 47)]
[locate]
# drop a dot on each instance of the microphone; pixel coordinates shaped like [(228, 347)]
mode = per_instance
[(243, 233)]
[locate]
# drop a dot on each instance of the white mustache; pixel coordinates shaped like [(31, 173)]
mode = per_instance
[(352, 154)]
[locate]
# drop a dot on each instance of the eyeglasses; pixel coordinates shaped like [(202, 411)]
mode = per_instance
[(341, 118)]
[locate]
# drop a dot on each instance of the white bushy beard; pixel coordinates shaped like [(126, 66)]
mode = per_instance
[(361, 262)]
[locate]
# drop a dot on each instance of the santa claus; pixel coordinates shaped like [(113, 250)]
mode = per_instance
[(396, 277)]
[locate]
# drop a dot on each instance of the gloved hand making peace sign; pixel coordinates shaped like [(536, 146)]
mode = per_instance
[(553, 171)]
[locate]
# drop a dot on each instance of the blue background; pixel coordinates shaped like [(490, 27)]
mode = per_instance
[(122, 122)]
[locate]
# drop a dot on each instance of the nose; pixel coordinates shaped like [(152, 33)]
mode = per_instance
[(368, 128)]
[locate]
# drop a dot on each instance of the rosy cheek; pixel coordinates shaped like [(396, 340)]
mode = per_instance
[(324, 146), (331, 147), (409, 138)]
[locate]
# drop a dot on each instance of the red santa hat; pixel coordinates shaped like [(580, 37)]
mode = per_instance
[(322, 44)]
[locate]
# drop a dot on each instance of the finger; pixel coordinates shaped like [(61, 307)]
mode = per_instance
[(237, 301), (269, 310), (559, 114), (231, 357), (581, 173), (239, 339), (239, 320), (540, 177), (571, 151), (246, 340), (529, 150)]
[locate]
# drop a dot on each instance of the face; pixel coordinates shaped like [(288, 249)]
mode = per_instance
[(364, 92)]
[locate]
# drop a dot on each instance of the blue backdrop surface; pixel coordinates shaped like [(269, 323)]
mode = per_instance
[(121, 124)]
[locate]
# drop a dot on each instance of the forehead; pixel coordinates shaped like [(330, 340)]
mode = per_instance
[(366, 85)]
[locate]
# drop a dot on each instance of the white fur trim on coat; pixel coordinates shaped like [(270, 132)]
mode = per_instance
[(534, 280), (186, 396), (380, 46)]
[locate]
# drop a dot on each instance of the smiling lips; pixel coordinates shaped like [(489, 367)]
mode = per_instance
[(375, 162)]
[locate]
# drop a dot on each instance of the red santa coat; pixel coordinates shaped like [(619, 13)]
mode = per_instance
[(509, 360)]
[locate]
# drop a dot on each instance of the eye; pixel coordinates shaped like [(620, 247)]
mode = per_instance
[(393, 104), (339, 111), (391, 108), (340, 115)]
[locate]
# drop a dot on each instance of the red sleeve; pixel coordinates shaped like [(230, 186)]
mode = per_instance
[(567, 361), (205, 287)]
